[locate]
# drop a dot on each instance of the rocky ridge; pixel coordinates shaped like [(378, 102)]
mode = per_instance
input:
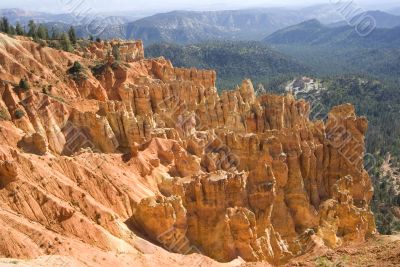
[(130, 160)]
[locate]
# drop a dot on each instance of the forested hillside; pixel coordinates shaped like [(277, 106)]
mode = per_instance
[(233, 61)]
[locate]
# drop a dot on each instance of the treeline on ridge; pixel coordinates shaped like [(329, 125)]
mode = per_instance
[(41, 34)]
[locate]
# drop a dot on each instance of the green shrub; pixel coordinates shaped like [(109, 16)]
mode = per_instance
[(323, 262), (19, 113), (24, 85), (44, 90), (42, 43), (4, 114), (98, 69), (77, 71), (76, 68), (55, 44)]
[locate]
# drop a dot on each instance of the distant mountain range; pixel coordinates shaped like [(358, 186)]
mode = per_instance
[(382, 19), (84, 24), (185, 27), (395, 11), (314, 33), (188, 27), (23, 16)]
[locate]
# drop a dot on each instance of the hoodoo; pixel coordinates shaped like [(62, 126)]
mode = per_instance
[(132, 161)]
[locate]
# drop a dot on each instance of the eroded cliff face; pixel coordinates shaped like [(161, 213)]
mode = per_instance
[(133, 151)]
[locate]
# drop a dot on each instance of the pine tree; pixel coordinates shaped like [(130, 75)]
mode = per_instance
[(55, 35), (19, 30), (42, 32), (72, 35), (116, 54), (5, 25), (32, 29), (12, 30), (66, 43)]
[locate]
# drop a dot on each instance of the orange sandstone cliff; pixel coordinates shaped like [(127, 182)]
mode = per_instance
[(137, 163)]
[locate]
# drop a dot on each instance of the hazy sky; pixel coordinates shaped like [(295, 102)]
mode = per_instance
[(63, 6)]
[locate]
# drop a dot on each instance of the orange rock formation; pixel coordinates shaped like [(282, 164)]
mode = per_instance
[(130, 161)]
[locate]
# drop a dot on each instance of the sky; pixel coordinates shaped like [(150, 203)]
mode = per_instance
[(63, 6)]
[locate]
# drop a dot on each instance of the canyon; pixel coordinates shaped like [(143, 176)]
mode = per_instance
[(132, 161)]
